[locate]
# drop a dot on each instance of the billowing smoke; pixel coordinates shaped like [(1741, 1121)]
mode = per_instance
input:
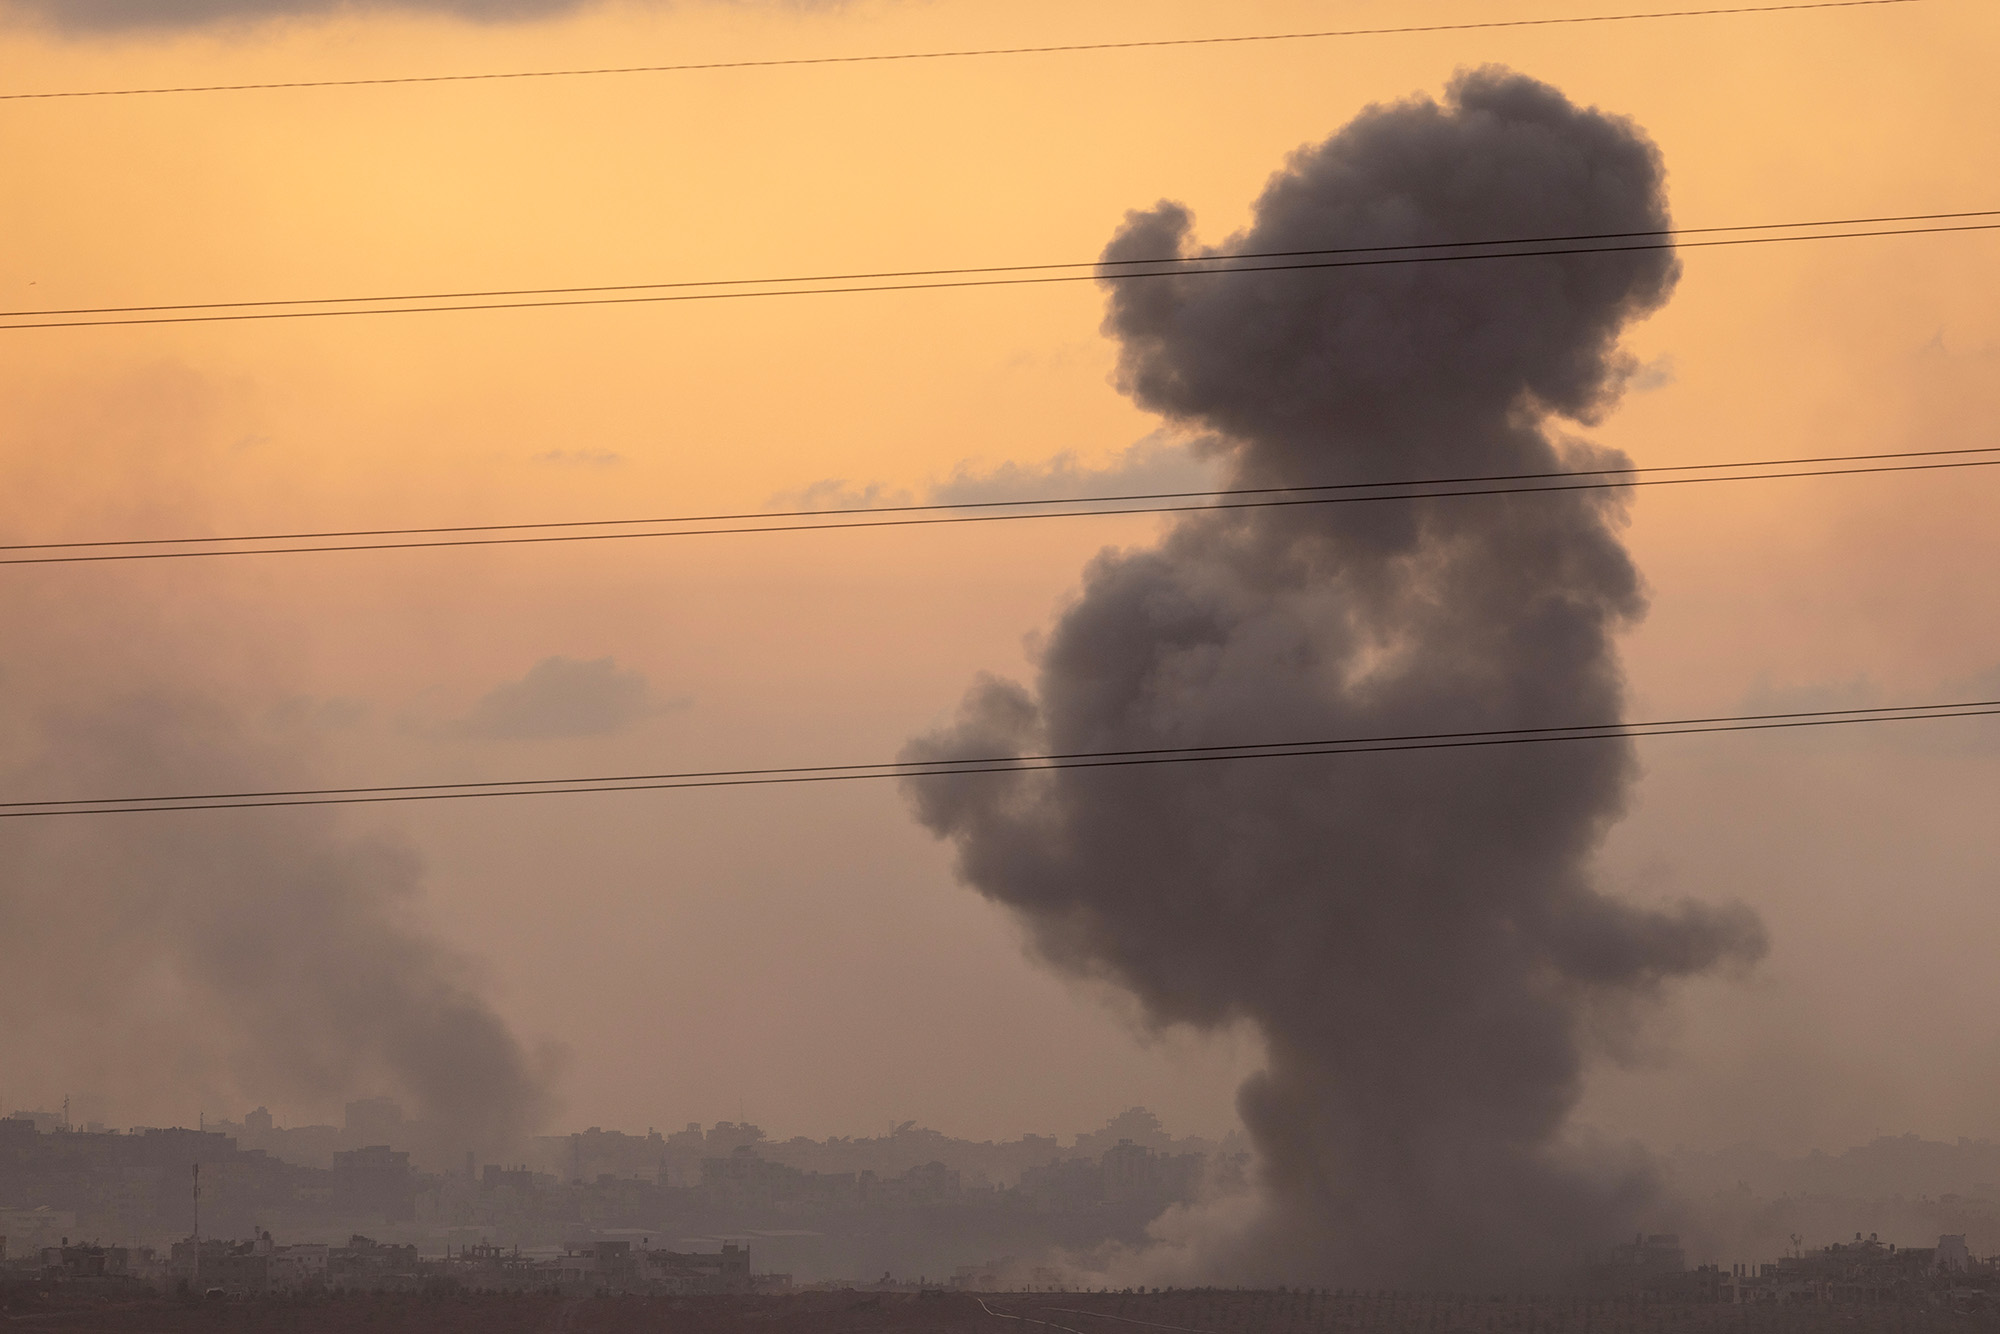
[(1416, 936)]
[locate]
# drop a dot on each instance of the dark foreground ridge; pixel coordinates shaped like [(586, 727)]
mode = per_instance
[(937, 1311)]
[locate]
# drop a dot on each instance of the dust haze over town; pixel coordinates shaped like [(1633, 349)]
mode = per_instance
[(1354, 931)]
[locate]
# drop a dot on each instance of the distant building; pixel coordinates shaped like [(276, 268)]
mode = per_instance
[(367, 1265), (376, 1182), (29, 1230), (1658, 1253), (373, 1120), (298, 1268), (699, 1272), (1866, 1269), (70, 1263), (496, 1177)]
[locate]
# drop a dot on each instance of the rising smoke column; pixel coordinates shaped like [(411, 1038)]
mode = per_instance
[(205, 961), (262, 956), (1416, 936)]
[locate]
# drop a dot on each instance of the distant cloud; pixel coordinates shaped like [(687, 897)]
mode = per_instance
[(1155, 463), (1655, 374), (837, 493), (563, 697), (580, 458)]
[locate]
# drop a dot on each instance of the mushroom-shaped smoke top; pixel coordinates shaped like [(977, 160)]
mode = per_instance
[(1417, 936)]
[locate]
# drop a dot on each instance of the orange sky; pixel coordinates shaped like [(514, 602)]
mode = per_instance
[(803, 956)]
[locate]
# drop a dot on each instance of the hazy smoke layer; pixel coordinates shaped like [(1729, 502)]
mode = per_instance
[(262, 955), (171, 964), (1416, 935), (116, 14), (85, 15)]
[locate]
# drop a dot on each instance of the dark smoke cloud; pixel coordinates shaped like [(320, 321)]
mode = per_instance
[(1417, 936)]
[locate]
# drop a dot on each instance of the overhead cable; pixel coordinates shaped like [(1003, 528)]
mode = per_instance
[(996, 764), (1094, 266), (961, 54), (999, 511), (1179, 266)]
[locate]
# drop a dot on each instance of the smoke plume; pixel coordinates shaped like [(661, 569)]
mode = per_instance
[(266, 956), (1417, 936), (177, 963)]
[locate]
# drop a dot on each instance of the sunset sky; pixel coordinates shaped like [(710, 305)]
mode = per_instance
[(804, 956)]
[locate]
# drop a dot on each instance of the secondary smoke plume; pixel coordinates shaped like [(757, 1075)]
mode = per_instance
[(1417, 936), (264, 956), (176, 963)]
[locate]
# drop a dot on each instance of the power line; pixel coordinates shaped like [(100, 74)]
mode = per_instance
[(1024, 276), (1018, 510), (964, 270), (990, 764), (1064, 48), (904, 768), (1009, 504)]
